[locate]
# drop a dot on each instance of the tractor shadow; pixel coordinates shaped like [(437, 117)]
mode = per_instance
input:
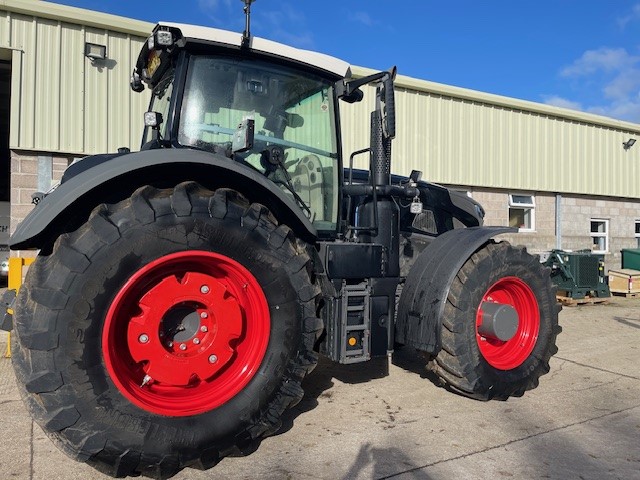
[(319, 382), (630, 322), (415, 361)]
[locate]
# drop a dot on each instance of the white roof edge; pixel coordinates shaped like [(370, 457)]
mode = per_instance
[(316, 59), (79, 16), (506, 102)]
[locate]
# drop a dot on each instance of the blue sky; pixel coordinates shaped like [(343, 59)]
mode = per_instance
[(581, 54)]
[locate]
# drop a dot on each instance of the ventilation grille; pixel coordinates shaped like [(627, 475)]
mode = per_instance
[(584, 269)]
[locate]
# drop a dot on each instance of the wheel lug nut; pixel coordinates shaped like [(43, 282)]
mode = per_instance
[(169, 344), (196, 341), (183, 346), (204, 289), (204, 315), (204, 329), (213, 358), (144, 338)]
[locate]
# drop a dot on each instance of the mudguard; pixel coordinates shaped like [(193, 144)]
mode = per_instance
[(74, 195), (424, 295)]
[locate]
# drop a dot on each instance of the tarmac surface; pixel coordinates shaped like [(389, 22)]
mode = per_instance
[(358, 422)]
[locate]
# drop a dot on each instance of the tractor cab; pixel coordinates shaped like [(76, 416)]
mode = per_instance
[(269, 107)]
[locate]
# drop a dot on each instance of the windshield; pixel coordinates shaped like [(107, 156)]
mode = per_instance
[(294, 142)]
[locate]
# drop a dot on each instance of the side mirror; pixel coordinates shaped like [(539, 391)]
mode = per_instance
[(349, 91), (136, 82), (353, 96)]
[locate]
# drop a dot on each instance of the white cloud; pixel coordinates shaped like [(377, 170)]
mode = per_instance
[(624, 86), (363, 18), (602, 59), (626, 109), (558, 101), (609, 78), (286, 24), (623, 110), (212, 6), (631, 17)]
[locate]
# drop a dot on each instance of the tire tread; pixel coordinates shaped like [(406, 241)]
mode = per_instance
[(44, 384)]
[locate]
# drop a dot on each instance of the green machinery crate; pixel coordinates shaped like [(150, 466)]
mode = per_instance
[(578, 274), (631, 258)]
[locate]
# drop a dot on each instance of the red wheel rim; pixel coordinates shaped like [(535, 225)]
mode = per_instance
[(506, 355), (186, 333)]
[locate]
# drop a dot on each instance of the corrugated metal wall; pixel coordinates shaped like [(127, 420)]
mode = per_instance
[(456, 136), (59, 97)]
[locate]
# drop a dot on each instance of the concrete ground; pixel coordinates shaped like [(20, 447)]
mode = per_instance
[(355, 422)]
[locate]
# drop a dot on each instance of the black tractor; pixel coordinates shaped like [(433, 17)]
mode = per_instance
[(181, 293)]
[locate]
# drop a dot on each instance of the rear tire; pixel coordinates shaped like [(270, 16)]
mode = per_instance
[(489, 368), (171, 329)]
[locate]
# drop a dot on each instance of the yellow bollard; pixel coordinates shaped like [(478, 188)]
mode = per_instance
[(16, 265)]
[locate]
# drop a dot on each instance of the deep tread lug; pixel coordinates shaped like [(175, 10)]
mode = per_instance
[(61, 418)]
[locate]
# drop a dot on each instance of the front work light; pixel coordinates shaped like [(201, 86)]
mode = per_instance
[(160, 39), (164, 38), (152, 119)]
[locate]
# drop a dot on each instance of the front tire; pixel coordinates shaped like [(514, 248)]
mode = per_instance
[(169, 330), (484, 366)]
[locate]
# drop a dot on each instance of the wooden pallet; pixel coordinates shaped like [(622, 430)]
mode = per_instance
[(574, 302), (626, 294)]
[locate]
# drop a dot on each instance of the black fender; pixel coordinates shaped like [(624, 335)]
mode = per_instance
[(116, 178), (427, 285)]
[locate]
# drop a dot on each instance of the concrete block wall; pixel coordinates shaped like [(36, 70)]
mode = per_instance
[(496, 205), (575, 216), (24, 182), (32, 172), (577, 212)]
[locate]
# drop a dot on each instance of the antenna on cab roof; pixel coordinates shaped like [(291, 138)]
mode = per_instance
[(246, 35)]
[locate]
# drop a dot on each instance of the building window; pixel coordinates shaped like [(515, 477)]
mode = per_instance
[(522, 212), (638, 232), (599, 235)]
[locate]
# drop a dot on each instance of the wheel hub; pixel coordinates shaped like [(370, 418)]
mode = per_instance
[(499, 321), (181, 323), (186, 333), (178, 350), (507, 323)]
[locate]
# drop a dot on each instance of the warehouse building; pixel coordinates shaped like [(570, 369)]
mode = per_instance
[(566, 179)]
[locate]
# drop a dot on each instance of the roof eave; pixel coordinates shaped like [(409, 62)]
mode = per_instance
[(314, 59)]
